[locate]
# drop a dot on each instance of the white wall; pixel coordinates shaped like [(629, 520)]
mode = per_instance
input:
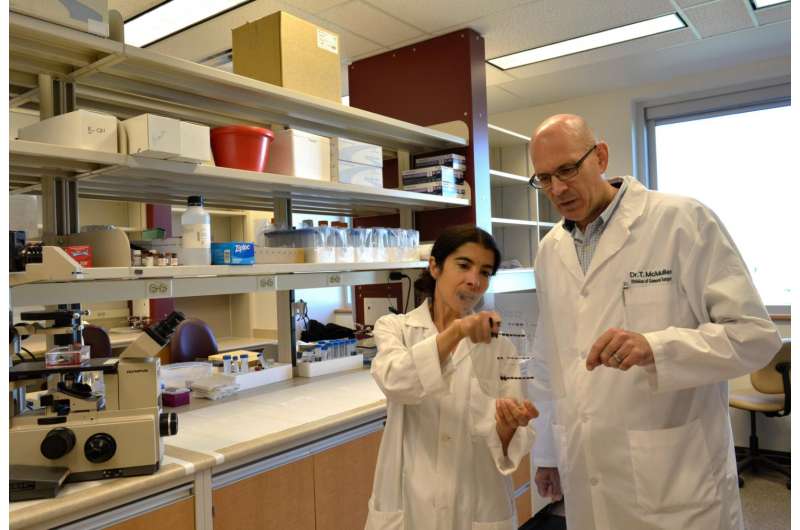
[(612, 115)]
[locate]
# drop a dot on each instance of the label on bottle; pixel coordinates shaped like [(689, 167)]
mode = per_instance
[(196, 236)]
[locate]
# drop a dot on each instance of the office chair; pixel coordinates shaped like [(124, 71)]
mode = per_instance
[(98, 340), (770, 395), (191, 340)]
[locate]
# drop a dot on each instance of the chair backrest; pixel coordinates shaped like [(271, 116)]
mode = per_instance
[(98, 340), (192, 339), (768, 380)]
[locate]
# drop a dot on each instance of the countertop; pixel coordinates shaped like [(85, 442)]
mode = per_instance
[(223, 434)]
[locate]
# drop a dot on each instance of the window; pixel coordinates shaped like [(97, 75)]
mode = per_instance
[(740, 161)]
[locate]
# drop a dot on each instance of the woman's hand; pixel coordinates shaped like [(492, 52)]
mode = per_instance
[(510, 414), (480, 327)]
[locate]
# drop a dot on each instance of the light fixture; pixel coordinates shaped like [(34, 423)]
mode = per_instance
[(587, 42), (173, 16), (758, 4)]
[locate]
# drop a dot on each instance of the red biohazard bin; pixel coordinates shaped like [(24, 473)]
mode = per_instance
[(241, 147)]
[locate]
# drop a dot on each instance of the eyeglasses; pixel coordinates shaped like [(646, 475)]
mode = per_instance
[(564, 174)]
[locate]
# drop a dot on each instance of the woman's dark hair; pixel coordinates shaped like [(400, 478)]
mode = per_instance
[(448, 242)]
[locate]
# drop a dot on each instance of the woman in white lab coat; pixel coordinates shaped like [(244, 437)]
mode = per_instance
[(455, 432)]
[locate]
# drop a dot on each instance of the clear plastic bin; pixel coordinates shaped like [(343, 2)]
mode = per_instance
[(73, 355)]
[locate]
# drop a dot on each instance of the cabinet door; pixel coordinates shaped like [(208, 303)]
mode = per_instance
[(279, 499), (343, 483), (523, 473), (176, 516), (524, 507), (521, 477)]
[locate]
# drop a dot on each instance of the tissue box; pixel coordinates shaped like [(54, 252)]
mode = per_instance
[(82, 129), (85, 15), (153, 136), (80, 253), (352, 173), (358, 152), (300, 154), (195, 143), (232, 253)]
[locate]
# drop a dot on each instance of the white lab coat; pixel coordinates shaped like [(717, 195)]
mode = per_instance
[(650, 448), (441, 464)]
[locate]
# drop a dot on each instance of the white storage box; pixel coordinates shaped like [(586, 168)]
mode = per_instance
[(19, 119), (254, 378), (84, 15), (300, 154), (153, 136), (81, 128), (279, 255), (358, 152), (352, 173), (195, 144), (330, 366)]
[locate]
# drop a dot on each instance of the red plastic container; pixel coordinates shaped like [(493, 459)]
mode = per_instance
[(241, 147)]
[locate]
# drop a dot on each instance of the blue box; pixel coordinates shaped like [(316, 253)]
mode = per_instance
[(233, 253)]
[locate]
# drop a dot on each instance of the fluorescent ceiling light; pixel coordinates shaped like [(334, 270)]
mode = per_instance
[(171, 17), (588, 42), (758, 4)]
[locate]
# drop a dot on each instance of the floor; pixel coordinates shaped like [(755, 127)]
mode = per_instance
[(765, 502)]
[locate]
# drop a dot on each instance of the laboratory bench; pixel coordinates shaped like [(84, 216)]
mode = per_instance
[(295, 454), (119, 340)]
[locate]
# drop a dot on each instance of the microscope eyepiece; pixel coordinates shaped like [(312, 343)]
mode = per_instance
[(161, 331)]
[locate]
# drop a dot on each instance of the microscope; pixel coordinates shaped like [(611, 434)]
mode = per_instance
[(94, 434)]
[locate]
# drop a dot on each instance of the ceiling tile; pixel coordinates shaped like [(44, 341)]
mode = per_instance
[(499, 100), (720, 17), (363, 19), (777, 13), (315, 6), (131, 8), (692, 3), (495, 76), (432, 16), (545, 22)]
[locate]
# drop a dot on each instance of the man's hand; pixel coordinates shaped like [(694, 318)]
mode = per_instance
[(548, 482), (510, 414), (619, 348)]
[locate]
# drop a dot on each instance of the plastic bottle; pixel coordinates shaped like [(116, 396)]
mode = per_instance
[(196, 242), (226, 363), (245, 360)]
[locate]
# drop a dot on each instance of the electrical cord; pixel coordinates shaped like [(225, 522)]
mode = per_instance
[(394, 275)]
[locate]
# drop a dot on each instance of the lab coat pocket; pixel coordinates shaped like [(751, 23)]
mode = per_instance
[(508, 524), (560, 440), (672, 468), (383, 520), (647, 307), (481, 410)]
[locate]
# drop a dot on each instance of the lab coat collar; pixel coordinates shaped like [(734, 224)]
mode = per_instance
[(616, 233), (420, 317)]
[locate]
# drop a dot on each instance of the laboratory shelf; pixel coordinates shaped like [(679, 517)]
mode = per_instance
[(106, 284), (512, 280), (503, 178), (504, 222), (500, 137), (127, 80), (130, 178)]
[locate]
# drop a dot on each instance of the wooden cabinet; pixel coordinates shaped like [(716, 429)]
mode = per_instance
[(176, 516), (343, 483), (524, 507), (279, 499), (524, 502)]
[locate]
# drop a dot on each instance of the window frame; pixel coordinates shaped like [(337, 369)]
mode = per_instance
[(688, 107)]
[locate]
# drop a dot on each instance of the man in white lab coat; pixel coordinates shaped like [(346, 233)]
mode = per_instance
[(646, 310)]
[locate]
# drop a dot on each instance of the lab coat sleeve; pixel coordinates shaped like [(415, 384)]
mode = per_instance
[(735, 337), (539, 389), (405, 373)]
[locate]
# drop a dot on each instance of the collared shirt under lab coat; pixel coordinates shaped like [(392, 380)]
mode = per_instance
[(441, 464), (650, 448)]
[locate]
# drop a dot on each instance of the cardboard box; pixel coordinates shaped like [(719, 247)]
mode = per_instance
[(195, 144), (300, 154), (84, 15), (153, 136), (82, 129), (287, 51), (352, 173), (358, 152)]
